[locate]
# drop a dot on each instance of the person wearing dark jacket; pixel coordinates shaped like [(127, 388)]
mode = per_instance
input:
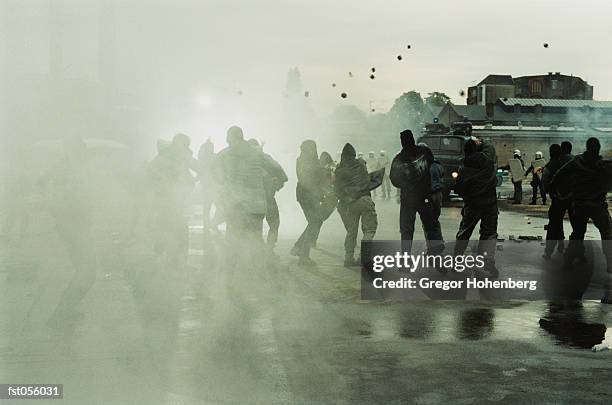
[(560, 202), (241, 170), (410, 174), (309, 193), (589, 178), (436, 172), (273, 182), (355, 203), (330, 200), (476, 182)]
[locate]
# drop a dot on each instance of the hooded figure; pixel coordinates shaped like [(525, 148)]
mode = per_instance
[(352, 188), (410, 173), (241, 170), (476, 184), (352, 178), (558, 206), (589, 178), (309, 193)]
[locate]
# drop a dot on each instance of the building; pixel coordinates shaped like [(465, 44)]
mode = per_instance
[(533, 112), (451, 113), (490, 89), (550, 86)]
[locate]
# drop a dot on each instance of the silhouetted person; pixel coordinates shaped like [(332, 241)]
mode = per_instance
[(242, 169), (70, 185), (560, 198), (589, 178), (205, 166), (309, 194), (172, 184), (566, 148), (536, 181), (518, 184), (273, 182), (436, 172), (355, 205), (330, 199), (476, 184), (384, 161), (410, 173), (373, 165)]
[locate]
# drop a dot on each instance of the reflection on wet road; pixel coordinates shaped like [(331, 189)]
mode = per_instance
[(284, 334)]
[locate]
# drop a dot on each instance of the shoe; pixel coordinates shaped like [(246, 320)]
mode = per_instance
[(306, 261)]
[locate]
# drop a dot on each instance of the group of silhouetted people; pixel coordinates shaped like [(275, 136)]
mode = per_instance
[(241, 182)]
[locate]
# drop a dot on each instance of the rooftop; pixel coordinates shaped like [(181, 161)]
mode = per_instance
[(497, 79), (547, 102)]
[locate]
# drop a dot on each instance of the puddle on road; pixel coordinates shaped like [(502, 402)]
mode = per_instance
[(539, 323)]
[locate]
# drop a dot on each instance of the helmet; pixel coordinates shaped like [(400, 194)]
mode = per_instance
[(538, 155), (517, 152)]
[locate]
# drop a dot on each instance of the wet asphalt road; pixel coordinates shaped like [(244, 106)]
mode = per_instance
[(252, 333)]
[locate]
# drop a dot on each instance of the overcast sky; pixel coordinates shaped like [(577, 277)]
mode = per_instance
[(175, 48)]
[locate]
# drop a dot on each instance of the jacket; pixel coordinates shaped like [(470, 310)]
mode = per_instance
[(587, 177), (352, 178), (410, 173), (436, 171), (477, 179), (242, 169)]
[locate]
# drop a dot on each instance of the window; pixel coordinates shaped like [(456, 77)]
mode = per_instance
[(535, 87), (553, 84)]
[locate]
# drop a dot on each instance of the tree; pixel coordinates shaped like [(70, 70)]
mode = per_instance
[(437, 99), (407, 110)]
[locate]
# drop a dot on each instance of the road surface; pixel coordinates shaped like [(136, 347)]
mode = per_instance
[(251, 333)]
